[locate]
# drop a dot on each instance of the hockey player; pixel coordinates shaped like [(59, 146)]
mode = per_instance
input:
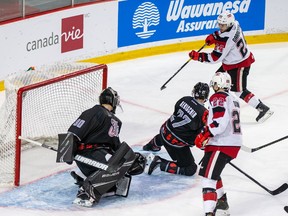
[(231, 49), (177, 134), (221, 140), (105, 163)]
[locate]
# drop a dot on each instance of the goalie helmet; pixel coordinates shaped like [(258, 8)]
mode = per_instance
[(110, 96), (226, 18), (201, 91), (222, 80)]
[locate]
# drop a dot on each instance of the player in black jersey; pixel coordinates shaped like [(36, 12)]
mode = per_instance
[(105, 163), (178, 133)]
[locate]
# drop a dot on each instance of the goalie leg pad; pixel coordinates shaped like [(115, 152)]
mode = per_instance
[(101, 181), (138, 165), (123, 186)]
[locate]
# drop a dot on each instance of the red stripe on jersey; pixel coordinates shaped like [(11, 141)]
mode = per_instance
[(218, 114), (246, 63), (214, 56), (219, 184), (210, 196)]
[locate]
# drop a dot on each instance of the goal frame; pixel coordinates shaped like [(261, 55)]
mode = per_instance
[(23, 89)]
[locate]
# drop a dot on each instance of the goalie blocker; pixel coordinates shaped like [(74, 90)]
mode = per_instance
[(66, 148)]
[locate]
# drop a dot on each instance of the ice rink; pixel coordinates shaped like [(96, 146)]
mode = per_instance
[(48, 189)]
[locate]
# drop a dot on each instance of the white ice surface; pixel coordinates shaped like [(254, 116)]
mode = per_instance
[(48, 189)]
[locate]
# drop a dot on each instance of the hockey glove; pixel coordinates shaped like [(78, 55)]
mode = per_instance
[(194, 55), (197, 56), (202, 138), (210, 39)]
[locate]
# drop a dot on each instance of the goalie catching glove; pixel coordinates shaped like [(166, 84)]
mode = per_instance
[(202, 138)]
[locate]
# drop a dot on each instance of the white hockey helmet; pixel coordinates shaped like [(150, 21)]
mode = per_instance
[(222, 80), (226, 18)]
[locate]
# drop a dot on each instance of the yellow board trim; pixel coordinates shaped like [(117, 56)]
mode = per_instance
[(177, 47), (2, 85)]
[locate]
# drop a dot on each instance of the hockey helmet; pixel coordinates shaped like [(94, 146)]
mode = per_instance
[(226, 18), (201, 91), (222, 80), (110, 96)]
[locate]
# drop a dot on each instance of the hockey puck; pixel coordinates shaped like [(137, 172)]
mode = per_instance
[(286, 208)]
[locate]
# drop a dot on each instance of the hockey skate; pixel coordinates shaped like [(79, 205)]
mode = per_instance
[(83, 199), (154, 164), (222, 207), (151, 147), (264, 112)]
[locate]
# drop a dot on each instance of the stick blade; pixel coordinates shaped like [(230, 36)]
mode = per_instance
[(279, 190), (162, 87), (286, 208)]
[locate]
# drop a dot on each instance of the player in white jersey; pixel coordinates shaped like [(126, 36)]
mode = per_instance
[(231, 49), (221, 140)]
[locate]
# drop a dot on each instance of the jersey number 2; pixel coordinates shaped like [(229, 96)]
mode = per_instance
[(236, 122)]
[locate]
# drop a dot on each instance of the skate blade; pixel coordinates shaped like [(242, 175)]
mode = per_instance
[(221, 212), (266, 116)]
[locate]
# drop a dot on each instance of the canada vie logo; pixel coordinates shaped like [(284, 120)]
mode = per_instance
[(72, 33)]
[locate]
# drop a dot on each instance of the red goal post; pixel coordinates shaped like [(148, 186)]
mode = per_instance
[(41, 104)]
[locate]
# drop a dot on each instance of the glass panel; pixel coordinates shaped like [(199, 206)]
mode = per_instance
[(10, 9), (36, 6), (86, 1)]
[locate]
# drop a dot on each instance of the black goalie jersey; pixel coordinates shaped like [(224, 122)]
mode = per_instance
[(97, 126), (185, 124)]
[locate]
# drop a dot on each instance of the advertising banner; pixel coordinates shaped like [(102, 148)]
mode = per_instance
[(56, 37), (142, 21)]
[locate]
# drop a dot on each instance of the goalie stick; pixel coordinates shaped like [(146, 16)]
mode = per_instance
[(88, 161), (37, 143), (164, 85), (113, 162), (251, 150), (277, 191)]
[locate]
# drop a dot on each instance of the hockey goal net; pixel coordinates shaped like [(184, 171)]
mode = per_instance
[(39, 104)]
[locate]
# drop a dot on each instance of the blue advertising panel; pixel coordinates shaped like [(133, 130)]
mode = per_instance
[(142, 21)]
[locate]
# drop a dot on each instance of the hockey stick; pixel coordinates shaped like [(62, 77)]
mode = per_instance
[(279, 190), (164, 85), (110, 167), (37, 143), (251, 150)]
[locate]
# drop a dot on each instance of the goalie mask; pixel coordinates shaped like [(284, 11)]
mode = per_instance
[(111, 97), (201, 91)]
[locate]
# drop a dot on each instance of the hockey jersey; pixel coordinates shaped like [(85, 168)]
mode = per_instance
[(187, 120), (224, 124), (230, 49), (97, 125)]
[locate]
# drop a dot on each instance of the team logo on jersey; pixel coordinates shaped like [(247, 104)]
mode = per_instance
[(114, 129), (72, 33), (146, 16)]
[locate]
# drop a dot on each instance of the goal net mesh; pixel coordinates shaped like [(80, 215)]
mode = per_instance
[(39, 104)]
